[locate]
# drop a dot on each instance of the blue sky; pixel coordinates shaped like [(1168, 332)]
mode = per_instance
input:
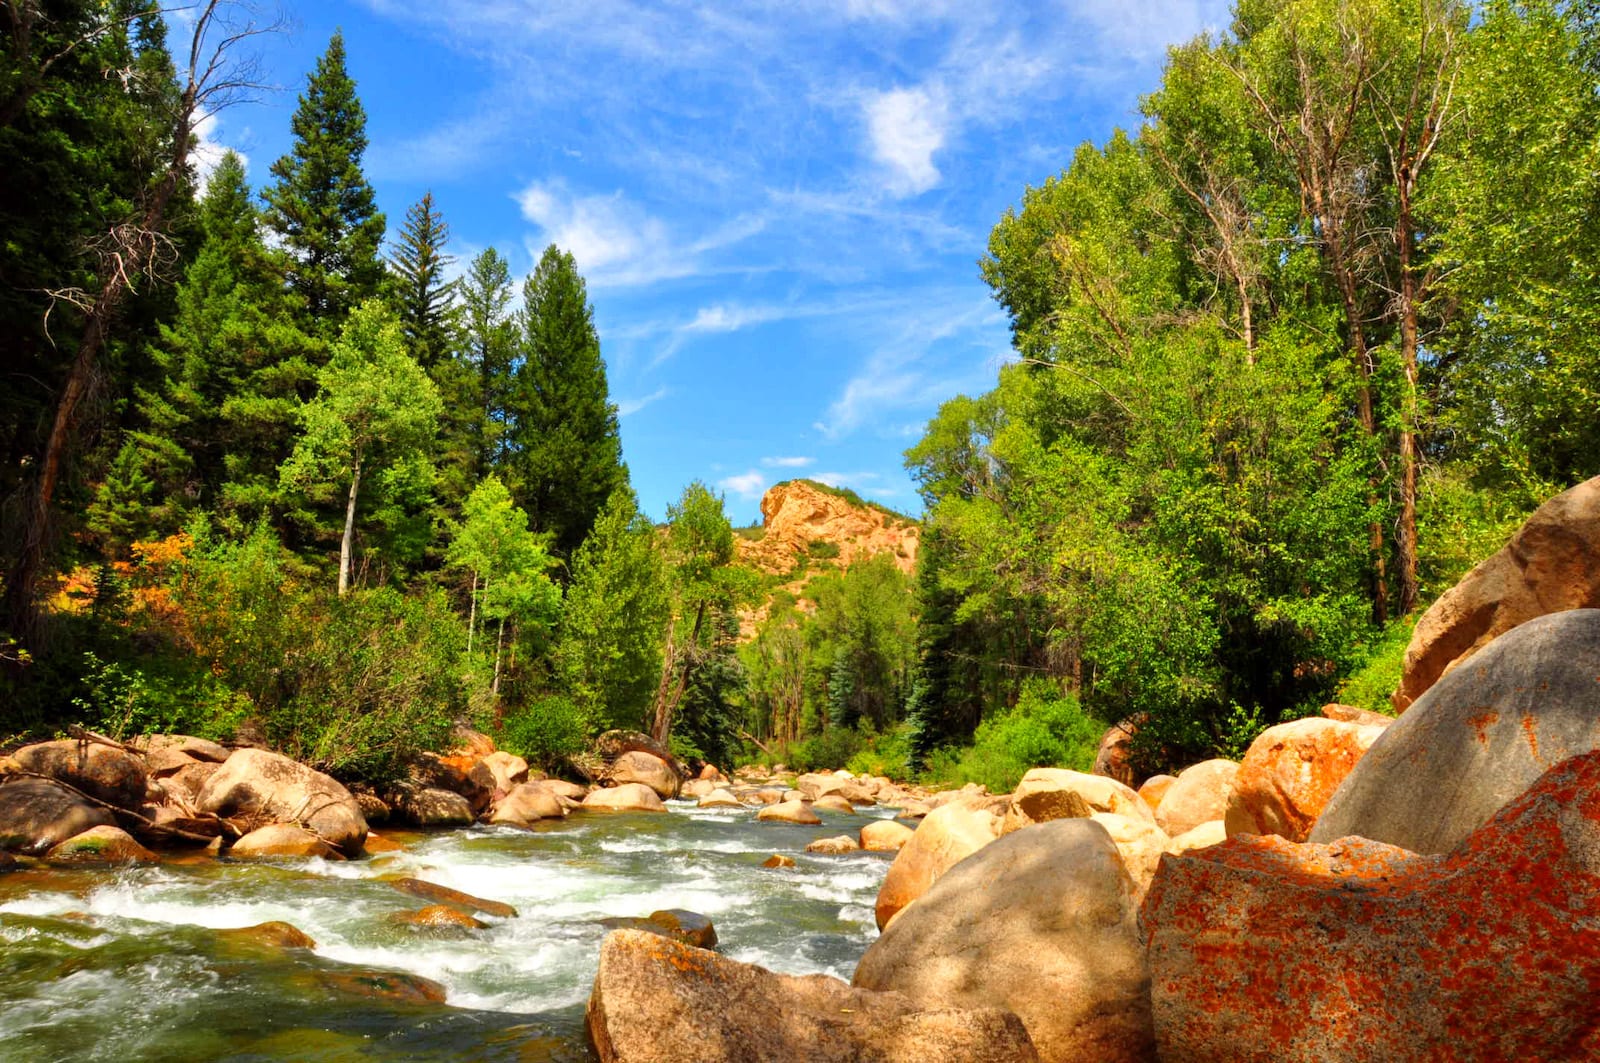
[(778, 206)]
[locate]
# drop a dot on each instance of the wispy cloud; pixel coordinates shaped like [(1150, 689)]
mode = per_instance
[(629, 407), (906, 127), (788, 463), (747, 485)]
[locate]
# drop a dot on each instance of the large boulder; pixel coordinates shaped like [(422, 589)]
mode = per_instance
[(1042, 923), (1155, 788), (1477, 739), (433, 807), (36, 815), (526, 804), (464, 774), (789, 812), (507, 769), (1200, 794), (815, 784), (165, 754), (1114, 757), (256, 783), (1141, 844), (885, 836), (112, 775), (1290, 772), (945, 837), (1550, 565), (637, 766), (101, 845), (661, 1001), (1057, 793), (629, 797), (1262, 949)]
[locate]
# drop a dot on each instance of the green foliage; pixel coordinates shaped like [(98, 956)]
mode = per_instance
[(1378, 675), (887, 754), (1044, 730), (822, 550), (122, 701), (507, 560), (827, 751), (424, 301), (546, 731)]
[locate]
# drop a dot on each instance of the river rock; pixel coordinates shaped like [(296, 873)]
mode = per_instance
[(165, 754), (1550, 565), (834, 803), (1155, 788), (1114, 756), (789, 812), (720, 799), (571, 791), (463, 774), (377, 845), (691, 928), (273, 935), (629, 797), (438, 917), (430, 891), (526, 804), (432, 807), (101, 845), (471, 743), (1057, 793), (696, 788), (112, 775), (1141, 844), (711, 773), (1212, 832), (637, 766), (394, 986), (507, 769), (188, 780), (1043, 923), (1262, 949), (254, 782), (1201, 794), (281, 840), (885, 836), (778, 860), (1477, 739), (374, 809), (36, 815), (814, 784), (834, 846), (770, 796), (944, 838), (1352, 714), (1290, 772), (660, 1001)]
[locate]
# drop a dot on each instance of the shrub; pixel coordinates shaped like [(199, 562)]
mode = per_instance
[(884, 754), (822, 549), (1045, 729), (1370, 684), (545, 732), (826, 751), (124, 701)]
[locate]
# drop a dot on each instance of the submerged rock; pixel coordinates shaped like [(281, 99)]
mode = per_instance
[(271, 935), (38, 814), (280, 840), (1262, 949), (1043, 923), (255, 782), (656, 1001), (691, 928), (834, 846), (395, 986), (438, 917), (429, 891), (629, 797), (946, 836), (101, 845), (778, 860), (112, 775), (1477, 739)]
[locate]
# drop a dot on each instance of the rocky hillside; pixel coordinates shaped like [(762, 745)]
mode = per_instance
[(803, 519)]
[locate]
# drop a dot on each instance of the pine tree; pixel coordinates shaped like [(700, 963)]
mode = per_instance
[(424, 300), (322, 207), (489, 347), (566, 454)]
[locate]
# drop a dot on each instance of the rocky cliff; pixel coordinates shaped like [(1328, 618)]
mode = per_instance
[(805, 519)]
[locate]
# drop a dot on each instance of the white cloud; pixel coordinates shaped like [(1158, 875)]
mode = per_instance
[(747, 485), (628, 407), (788, 463), (208, 150), (906, 127)]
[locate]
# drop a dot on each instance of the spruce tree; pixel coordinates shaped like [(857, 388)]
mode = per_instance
[(423, 299), (566, 454), (489, 347), (322, 207)]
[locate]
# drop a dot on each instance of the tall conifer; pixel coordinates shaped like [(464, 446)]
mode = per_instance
[(424, 301), (322, 207), (566, 454)]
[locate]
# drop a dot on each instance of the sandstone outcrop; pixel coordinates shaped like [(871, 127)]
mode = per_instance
[(660, 1001), (1290, 772), (1262, 949), (1043, 923), (945, 837), (1477, 739), (36, 815), (254, 782), (1550, 565), (798, 513), (1200, 794)]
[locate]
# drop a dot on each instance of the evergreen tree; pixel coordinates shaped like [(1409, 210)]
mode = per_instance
[(489, 347), (566, 454), (423, 299), (322, 208)]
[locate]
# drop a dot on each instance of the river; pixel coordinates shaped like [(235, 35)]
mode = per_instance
[(126, 965)]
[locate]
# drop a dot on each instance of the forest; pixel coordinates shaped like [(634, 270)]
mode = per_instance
[(1290, 357)]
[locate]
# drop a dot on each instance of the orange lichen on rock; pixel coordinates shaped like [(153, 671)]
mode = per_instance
[(1263, 949)]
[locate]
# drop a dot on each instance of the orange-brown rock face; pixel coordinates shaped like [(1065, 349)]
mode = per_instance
[(1291, 772), (799, 513), (1262, 949), (1552, 564)]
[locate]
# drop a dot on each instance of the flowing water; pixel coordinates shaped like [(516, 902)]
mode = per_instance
[(127, 965)]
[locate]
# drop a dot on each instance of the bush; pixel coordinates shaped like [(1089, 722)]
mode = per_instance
[(886, 754), (125, 701), (1369, 686), (1045, 729), (545, 732), (822, 549), (828, 751)]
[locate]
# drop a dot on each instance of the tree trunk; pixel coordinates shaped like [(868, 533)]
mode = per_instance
[(1407, 533), (499, 640), (472, 613), (347, 544)]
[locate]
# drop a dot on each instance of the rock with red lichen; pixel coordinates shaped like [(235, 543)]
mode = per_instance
[(1264, 949), (1477, 740), (1290, 772)]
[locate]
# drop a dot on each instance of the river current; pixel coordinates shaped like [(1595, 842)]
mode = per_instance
[(127, 965)]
